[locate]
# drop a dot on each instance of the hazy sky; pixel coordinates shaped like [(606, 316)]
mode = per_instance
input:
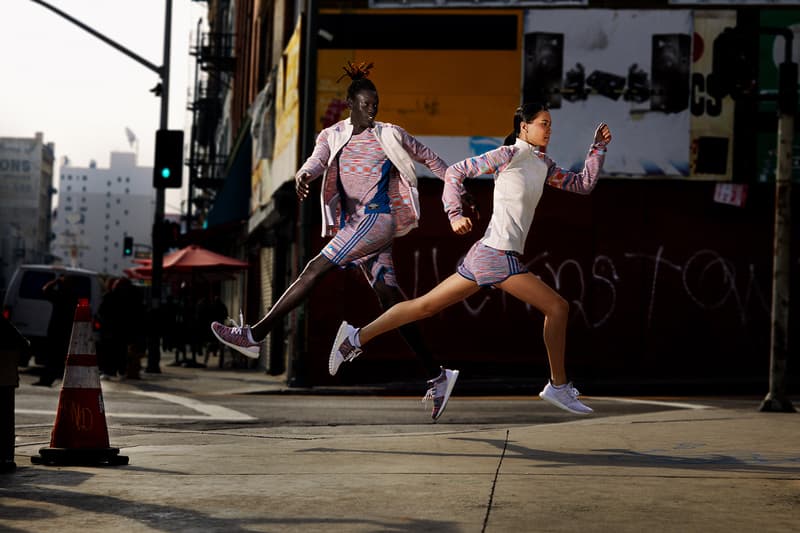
[(80, 92)]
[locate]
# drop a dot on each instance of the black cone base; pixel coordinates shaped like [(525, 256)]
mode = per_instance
[(79, 457)]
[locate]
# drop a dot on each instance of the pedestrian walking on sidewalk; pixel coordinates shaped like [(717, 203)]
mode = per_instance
[(123, 326), (521, 168), (62, 292), (368, 198)]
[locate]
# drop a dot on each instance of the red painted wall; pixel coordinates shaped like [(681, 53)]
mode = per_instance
[(664, 285)]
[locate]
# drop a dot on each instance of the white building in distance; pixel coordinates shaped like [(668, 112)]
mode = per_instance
[(98, 208), (26, 189)]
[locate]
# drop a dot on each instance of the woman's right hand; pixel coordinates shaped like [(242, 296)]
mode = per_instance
[(461, 226), (301, 181)]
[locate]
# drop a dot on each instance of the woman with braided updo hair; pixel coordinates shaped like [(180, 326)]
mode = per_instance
[(368, 197)]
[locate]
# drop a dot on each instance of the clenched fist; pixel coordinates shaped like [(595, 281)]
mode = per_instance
[(602, 133)]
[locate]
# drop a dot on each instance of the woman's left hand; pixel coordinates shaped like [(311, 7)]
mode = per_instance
[(602, 133)]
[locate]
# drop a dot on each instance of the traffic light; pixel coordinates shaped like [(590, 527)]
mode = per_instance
[(168, 167), (127, 246)]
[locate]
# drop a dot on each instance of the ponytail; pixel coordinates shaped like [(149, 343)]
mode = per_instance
[(524, 113)]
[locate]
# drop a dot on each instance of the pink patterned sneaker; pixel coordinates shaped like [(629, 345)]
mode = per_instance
[(439, 392), (342, 350), (237, 337)]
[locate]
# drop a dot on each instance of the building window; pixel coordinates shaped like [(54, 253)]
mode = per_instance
[(84, 178), (118, 201), (125, 212), (127, 190), (127, 179)]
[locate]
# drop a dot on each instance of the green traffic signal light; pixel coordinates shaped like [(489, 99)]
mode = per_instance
[(168, 164), (127, 246)]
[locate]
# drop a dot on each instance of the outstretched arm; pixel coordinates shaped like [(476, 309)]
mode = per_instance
[(422, 154), (584, 181), (491, 162)]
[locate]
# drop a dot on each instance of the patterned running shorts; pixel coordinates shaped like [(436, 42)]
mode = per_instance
[(366, 243), (487, 266)]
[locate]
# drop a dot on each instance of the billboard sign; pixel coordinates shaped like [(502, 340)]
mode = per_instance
[(628, 68)]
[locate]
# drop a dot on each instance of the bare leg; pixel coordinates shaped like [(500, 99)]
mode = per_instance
[(388, 296), (537, 293), (452, 290), (298, 291)]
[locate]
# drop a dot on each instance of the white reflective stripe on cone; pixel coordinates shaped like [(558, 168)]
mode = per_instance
[(81, 377), (81, 340)]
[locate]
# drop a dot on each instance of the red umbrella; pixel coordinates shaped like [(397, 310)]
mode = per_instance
[(193, 261), (194, 256)]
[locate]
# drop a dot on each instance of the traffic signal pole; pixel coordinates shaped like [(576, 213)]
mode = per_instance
[(154, 352), (154, 343)]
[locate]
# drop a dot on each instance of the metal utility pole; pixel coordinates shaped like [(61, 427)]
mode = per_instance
[(298, 357), (776, 399), (154, 344), (154, 353)]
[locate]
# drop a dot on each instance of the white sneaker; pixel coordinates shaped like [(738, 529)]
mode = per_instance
[(566, 398), (439, 391), (342, 350)]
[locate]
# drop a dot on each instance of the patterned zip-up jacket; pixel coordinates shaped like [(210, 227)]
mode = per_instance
[(521, 171), (400, 148)]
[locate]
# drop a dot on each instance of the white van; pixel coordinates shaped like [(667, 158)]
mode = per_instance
[(26, 307)]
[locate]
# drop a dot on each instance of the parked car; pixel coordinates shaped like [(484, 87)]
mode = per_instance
[(26, 307)]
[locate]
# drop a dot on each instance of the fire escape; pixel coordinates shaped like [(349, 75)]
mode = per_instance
[(215, 63)]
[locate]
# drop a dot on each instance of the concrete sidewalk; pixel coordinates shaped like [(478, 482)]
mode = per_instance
[(709, 470)]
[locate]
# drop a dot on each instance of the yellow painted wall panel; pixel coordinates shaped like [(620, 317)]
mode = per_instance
[(432, 92)]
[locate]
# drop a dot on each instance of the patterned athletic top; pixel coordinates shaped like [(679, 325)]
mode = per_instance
[(371, 184), (365, 178), (521, 171)]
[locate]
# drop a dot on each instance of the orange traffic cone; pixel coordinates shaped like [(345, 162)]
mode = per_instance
[(80, 434)]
